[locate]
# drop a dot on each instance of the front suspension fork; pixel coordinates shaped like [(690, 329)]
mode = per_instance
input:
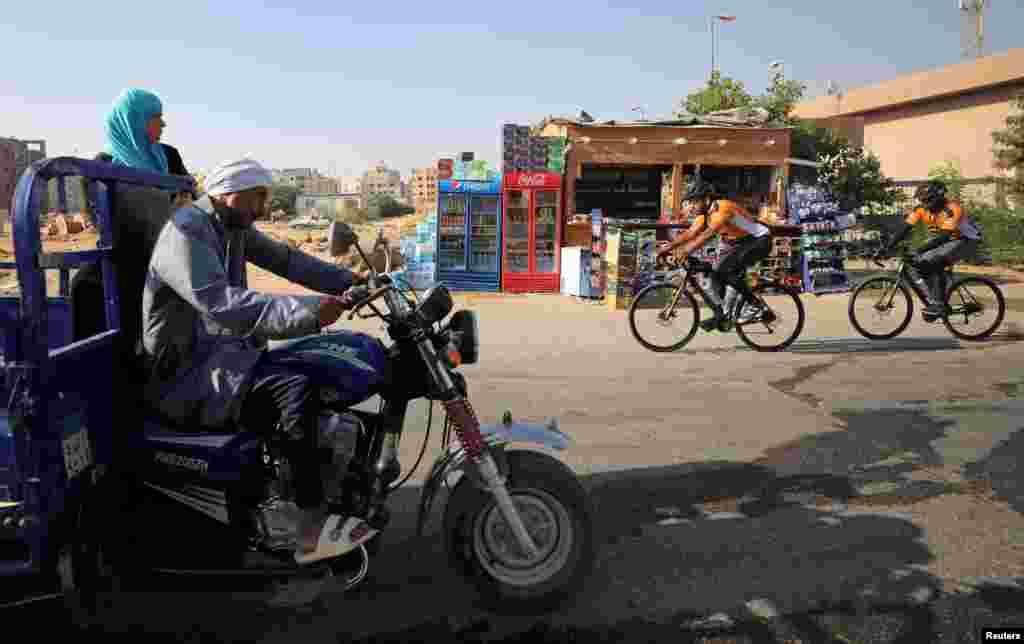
[(467, 428)]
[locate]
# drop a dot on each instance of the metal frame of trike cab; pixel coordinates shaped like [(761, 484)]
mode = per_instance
[(61, 397)]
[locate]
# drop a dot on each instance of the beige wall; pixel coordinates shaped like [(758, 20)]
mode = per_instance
[(911, 140), (917, 121), (951, 80)]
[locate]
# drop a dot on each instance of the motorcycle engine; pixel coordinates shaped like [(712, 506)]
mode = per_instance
[(339, 435), (278, 516)]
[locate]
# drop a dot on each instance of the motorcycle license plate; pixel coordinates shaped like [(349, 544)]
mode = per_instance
[(77, 450)]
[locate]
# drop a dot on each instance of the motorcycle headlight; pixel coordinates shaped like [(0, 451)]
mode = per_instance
[(465, 336), (436, 304)]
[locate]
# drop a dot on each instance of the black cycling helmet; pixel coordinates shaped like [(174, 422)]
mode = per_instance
[(699, 190), (931, 195)]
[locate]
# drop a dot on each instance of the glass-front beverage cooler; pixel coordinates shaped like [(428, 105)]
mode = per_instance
[(469, 235), (532, 232)]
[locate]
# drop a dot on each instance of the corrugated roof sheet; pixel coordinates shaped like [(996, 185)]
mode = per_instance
[(739, 119)]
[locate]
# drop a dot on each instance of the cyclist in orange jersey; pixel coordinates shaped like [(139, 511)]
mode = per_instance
[(957, 236), (752, 243)]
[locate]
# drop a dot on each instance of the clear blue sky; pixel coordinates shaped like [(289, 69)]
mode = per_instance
[(348, 84)]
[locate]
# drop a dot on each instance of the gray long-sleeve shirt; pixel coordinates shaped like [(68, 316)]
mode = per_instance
[(203, 329)]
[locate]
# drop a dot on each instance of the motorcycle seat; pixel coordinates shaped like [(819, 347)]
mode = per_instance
[(156, 423), (157, 433)]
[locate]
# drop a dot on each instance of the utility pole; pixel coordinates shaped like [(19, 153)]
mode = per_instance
[(972, 28)]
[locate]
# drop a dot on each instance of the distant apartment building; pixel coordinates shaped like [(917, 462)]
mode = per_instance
[(297, 177), (16, 155), (381, 180), (349, 184), (326, 205), (423, 190), (322, 185)]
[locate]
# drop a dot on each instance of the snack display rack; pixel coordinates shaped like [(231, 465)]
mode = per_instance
[(785, 264)]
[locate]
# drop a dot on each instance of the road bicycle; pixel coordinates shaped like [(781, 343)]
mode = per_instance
[(967, 298), (672, 301)]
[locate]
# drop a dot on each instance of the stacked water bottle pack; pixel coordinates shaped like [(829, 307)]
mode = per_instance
[(822, 222), (418, 249)]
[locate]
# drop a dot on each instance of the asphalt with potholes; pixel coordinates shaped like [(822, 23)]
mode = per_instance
[(843, 489)]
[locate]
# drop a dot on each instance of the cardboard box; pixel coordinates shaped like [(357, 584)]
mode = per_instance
[(578, 235)]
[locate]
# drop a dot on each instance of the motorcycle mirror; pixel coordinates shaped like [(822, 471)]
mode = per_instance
[(341, 238)]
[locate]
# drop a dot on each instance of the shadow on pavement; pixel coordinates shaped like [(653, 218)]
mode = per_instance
[(857, 275), (1002, 471), (676, 543), (1002, 595), (857, 345)]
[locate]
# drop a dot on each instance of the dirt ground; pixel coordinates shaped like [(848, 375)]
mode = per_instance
[(313, 241)]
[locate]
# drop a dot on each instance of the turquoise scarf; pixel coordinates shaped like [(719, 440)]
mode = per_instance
[(127, 141)]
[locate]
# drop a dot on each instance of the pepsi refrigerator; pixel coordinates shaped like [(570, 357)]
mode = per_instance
[(469, 235)]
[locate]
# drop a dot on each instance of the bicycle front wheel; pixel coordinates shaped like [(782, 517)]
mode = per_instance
[(882, 303), (777, 321), (657, 324), (972, 300)]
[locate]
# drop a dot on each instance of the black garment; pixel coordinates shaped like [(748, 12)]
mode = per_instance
[(732, 270), (174, 163), (137, 217), (282, 397), (932, 259), (133, 242)]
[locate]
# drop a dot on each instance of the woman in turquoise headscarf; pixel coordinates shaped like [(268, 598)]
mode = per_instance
[(134, 124), (133, 128)]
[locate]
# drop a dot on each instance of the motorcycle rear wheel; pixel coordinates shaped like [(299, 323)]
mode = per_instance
[(81, 564), (557, 512)]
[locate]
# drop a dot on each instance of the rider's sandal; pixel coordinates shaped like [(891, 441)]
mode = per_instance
[(339, 536)]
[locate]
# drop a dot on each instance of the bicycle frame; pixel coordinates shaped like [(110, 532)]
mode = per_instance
[(903, 276), (690, 280)]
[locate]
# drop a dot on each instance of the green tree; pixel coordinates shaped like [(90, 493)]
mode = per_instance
[(282, 197), (383, 206), (352, 214), (950, 175), (812, 142), (1009, 151), (780, 99), (719, 94), (855, 178)]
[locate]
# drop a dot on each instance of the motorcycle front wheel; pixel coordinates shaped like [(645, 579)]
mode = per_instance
[(558, 514)]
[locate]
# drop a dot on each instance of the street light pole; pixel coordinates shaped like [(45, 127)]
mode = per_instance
[(711, 31), (711, 26)]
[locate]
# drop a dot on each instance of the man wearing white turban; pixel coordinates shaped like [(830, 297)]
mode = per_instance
[(205, 333)]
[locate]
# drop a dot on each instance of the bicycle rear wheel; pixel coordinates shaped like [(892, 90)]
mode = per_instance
[(649, 311), (781, 307), (970, 298)]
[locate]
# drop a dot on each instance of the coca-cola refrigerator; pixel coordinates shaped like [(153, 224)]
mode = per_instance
[(532, 232)]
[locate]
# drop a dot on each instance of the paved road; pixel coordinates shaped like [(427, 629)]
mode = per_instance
[(878, 473)]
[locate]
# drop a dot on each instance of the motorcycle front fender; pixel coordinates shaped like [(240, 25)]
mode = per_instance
[(451, 465)]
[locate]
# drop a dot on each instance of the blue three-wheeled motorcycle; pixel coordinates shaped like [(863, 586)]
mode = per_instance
[(94, 489)]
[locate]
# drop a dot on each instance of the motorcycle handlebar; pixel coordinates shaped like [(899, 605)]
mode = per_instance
[(373, 295)]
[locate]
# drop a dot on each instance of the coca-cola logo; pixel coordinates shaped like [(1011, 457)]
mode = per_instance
[(532, 180)]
